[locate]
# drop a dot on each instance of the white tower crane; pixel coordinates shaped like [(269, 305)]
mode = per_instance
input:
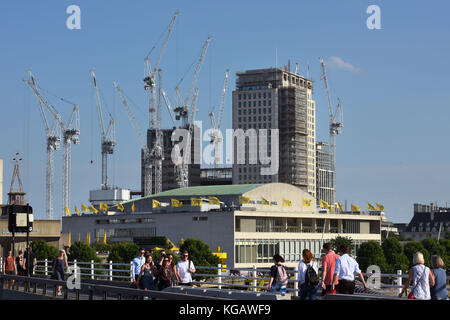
[(336, 124), (145, 151), (53, 138), (107, 137), (215, 135)]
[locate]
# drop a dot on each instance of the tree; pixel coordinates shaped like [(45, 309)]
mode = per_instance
[(447, 235), (412, 247), (433, 247), (200, 254), (43, 250), (395, 257), (338, 241), (82, 253), (371, 253), (123, 252)]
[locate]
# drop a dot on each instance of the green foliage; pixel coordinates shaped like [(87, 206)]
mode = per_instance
[(123, 252), (101, 247), (338, 241), (82, 253), (433, 247), (43, 250), (395, 257), (201, 255), (412, 247), (389, 235), (162, 242), (371, 253), (447, 235)]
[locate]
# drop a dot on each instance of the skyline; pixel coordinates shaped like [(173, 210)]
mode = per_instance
[(381, 156)]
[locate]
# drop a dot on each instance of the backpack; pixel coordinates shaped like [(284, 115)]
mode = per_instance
[(282, 278), (311, 277)]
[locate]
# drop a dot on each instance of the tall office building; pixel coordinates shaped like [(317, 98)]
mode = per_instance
[(276, 98), (169, 180), (325, 174)]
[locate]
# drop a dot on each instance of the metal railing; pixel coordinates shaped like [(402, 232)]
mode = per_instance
[(253, 279)]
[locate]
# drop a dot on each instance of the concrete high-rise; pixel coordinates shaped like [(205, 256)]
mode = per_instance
[(276, 98), (325, 174)]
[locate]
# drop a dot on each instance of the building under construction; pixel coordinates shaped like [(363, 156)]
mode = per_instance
[(276, 98), (325, 173), (170, 178)]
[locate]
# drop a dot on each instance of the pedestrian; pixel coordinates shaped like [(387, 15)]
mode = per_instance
[(30, 260), (439, 290), (185, 269), (345, 271), (147, 274), (328, 266), (278, 276), (308, 276), (21, 265), (162, 255), (420, 279), (60, 266), (9, 267), (174, 269), (137, 264), (165, 274)]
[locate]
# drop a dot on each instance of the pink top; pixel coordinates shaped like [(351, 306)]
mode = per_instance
[(328, 264)]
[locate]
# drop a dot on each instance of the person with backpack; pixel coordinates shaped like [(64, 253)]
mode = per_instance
[(185, 269), (278, 276), (308, 271)]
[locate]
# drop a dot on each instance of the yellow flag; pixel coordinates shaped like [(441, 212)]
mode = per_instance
[(339, 205), (93, 209), (306, 202), (370, 207), (265, 202), (355, 208), (87, 238), (156, 204), (287, 203), (67, 211), (244, 200), (196, 202), (132, 208), (176, 203), (380, 207), (69, 243), (78, 211), (79, 237), (103, 206), (331, 209), (84, 208), (104, 238), (214, 200), (324, 204), (120, 206)]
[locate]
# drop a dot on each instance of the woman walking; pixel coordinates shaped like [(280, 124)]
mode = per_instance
[(60, 266), (174, 269), (420, 279), (278, 277), (308, 271), (147, 275), (165, 274), (439, 290)]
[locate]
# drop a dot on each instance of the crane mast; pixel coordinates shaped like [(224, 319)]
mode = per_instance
[(335, 125), (107, 137)]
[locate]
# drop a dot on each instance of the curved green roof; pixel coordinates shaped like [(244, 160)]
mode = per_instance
[(232, 189)]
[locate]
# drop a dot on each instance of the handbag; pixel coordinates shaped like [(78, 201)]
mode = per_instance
[(411, 296)]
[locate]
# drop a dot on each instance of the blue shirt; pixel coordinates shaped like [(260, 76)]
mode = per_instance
[(138, 262), (439, 291), (346, 268)]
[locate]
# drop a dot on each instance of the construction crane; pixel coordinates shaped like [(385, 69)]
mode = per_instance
[(145, 151), (215, 135), (107, 136), (336, 124), (53, 139), (182, 110)]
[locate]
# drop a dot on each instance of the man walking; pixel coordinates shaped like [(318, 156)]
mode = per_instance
[(185, 268), (328, 265), (346, 268), (137, 263), (31, 262)]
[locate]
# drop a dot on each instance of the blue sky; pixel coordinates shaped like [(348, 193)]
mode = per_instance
[(394, 89)]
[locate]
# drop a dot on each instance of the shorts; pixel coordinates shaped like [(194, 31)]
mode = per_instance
[(11, 273)]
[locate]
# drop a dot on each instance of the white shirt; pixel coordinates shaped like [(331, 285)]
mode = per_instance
[(346, 268), (182, 267), (302, 266), (421, 284)]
